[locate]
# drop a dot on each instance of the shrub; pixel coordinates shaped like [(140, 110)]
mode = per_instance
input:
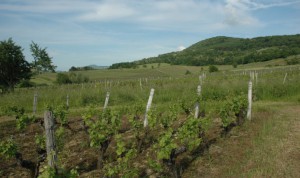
[(212, 68), (187, 72), (62, 78), (292, 61)]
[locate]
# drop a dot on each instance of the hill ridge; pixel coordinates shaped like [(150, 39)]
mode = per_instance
[(221, 50)]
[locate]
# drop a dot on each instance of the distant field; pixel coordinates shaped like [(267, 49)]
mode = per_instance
[(157, 70)]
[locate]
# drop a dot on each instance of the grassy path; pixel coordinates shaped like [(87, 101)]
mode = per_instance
[(268, 146)]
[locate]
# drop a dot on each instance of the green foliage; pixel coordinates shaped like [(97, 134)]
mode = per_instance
[(13, 66), (187, 72), (186, 107), (40, 141), (22, 120), (293, 61), (123, 65), (234, 65), (60, 113), (231, 109), (63, 78), (155, 165), (60, 137), (122, 166), (189, 133), (153, 120), (80, 68), (8, 148), (105, 126), (41, 59), (165, 145), (212, 68), (25, 84), (60, 173), (170, 116)]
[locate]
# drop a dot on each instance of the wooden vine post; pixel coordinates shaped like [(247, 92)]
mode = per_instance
[(284, 78), (249, 100), (50, 139), (197, 108), (106, 101), (141, 86), (35, 97), (148, 107)]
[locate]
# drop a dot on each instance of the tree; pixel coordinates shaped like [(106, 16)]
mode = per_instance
[(13, 66), (42, 61)]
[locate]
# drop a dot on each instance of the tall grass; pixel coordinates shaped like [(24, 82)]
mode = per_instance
[(168, 90)]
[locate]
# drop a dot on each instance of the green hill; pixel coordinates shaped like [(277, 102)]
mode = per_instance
[(223, 50)]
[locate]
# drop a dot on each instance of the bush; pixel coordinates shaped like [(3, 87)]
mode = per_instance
[(213, 68), (292, 61), (188, 72), (234, 65), (62, 79), (26, 84)]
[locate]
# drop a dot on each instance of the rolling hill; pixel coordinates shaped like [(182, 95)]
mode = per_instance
[(223, 50)]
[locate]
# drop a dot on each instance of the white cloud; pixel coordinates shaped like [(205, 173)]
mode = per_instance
[(180, 48), (237, 13), (109, 10)]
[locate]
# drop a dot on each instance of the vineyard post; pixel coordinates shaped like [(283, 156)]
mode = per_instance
[(141, 84), (284, 78), (200, 79), (251, 75), (256, 77), (197, 104), (50, 139), (148, 107), (249, 100), (106, 100), (35, 97)]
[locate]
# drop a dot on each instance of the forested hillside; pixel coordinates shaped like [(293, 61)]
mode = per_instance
[(227, 50)]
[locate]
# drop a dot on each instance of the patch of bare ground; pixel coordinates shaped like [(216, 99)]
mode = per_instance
[(267, 146)]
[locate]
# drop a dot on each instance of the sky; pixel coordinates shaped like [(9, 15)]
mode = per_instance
[(102, 32)]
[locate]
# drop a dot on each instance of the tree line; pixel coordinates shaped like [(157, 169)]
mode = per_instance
[(14, 68)]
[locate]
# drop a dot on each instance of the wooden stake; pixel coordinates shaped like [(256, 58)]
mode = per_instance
[(284, 78), (249, 100), (197, 108), (50, 139), (106, 100), (35, 102), (141, 84), (148, 107)]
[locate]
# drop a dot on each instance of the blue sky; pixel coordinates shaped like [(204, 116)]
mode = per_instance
[(103, 32)]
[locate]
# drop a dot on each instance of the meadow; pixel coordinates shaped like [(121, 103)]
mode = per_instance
[(132, 151)]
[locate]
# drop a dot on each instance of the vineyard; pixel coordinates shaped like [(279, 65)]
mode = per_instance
[(113, 128)]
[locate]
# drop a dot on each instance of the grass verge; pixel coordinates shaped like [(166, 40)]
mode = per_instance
[(268, 146)]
